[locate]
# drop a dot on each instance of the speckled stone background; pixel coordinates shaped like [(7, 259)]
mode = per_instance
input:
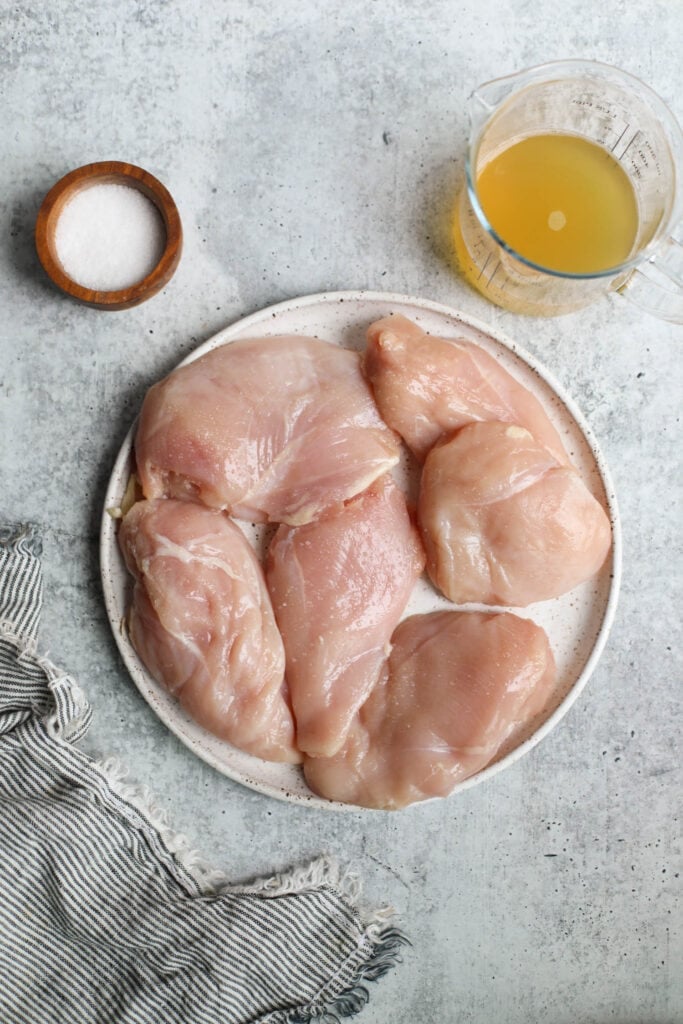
[(310, 147)]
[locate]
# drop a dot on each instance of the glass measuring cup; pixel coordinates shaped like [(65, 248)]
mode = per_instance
[(630, 122)]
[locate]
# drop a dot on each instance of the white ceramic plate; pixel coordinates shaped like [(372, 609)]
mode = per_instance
[(577, 623)]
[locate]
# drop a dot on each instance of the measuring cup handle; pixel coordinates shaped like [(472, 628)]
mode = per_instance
[(657, 286)]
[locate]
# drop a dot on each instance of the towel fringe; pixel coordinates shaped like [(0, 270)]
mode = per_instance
[(379, 935), (323, 871), (25, 645), (177, 843), (27, 650), (21, 538), (386, 954)]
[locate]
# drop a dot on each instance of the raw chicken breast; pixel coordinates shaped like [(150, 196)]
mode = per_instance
[(269, 429), (339, 586), (456, 686), (202, 622), (427, 387), (503, 522)]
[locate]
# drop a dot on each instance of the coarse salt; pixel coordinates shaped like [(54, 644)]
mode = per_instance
[(109, 237)]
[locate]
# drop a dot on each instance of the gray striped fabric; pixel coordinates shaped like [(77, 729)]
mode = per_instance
[(99, 920)]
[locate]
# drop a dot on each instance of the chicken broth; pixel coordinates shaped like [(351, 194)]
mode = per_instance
[(561, 202)]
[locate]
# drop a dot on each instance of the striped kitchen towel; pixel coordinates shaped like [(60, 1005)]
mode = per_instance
[(105, 917)]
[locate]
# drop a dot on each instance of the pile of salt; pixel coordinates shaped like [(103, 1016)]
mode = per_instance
[(109, 237)]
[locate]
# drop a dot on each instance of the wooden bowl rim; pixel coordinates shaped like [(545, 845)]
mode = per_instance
[(104, 172)]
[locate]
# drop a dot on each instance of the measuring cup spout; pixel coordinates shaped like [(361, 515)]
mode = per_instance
[(479, 111), (485, 98)]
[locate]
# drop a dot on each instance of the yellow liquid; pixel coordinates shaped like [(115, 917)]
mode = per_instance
[(562, 202)]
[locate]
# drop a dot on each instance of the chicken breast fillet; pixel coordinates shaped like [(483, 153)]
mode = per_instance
[(503, 522), (202, 622), (339, 586), (427, 387), (456, 686), (269, 429)]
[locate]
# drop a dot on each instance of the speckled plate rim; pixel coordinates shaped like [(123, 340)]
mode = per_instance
[(108, 545)]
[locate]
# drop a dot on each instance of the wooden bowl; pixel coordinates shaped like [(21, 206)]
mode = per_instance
[(109, 172)]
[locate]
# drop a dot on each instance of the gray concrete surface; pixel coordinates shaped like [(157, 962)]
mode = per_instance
[(315, 146)]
